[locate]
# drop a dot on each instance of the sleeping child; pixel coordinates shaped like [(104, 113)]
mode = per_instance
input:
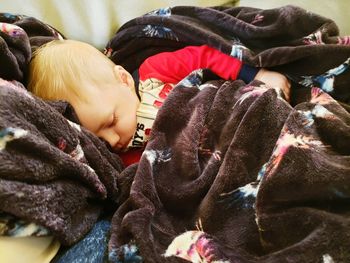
[(105, 97)]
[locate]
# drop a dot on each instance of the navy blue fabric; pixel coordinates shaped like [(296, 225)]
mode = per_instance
[(247, 73), (91, 249)]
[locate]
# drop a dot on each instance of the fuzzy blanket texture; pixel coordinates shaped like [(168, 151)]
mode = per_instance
[(232, 172)]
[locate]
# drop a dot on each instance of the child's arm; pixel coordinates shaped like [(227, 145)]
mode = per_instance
[(172, 67)]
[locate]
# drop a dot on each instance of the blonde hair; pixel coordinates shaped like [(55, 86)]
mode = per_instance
[(61, 69)]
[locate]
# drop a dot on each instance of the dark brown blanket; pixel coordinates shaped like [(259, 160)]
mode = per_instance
[(252, 178), (233, 173), (52, 172)]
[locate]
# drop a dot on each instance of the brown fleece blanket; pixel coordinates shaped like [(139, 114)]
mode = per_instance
[(236, 174), (52, 171), (232, 173)]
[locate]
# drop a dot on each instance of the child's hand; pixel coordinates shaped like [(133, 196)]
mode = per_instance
[(275, 80)]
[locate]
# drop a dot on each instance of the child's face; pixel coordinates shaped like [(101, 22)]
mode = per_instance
[(110, 113)]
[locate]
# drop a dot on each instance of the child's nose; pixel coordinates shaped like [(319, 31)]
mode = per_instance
[(113, 139)]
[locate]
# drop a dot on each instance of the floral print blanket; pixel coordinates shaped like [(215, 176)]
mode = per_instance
[(234, 173)]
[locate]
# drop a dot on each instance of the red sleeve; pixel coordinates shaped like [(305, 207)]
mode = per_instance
[(171, 67)]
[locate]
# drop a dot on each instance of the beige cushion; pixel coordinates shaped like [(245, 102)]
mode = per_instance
[(28, 249)]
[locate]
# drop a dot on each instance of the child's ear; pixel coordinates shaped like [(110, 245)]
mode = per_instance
[(123, 76)]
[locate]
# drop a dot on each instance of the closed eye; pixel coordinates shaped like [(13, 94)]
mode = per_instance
[(114, 120)]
